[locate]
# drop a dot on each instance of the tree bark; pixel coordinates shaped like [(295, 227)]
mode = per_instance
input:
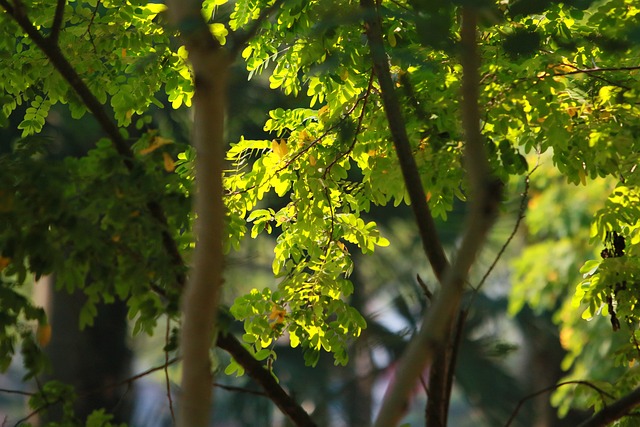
[(210, 65)]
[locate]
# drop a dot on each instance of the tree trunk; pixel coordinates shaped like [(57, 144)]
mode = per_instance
[(210, 64), (91, 359)]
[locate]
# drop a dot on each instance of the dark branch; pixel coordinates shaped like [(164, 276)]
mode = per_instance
[(20, 392), (60, 62), (266, 380), (426, 225), (618, 409), (6, 6), (240, 390), (57, 21), (552, 388)]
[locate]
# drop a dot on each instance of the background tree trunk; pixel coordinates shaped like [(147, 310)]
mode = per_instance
[(91, 359)]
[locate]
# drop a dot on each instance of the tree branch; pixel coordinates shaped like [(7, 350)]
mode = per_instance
[(483, 209), (57, 21), (413, 183), (255, 370), (620, 408), (60, 63), (521, 210)]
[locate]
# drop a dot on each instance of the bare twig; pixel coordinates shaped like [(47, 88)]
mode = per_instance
[(424, 288), (20, 392), (241, 390), (453, 359), (88, 31), (365, 99), (551, 388), (521, 210), (132, 379)]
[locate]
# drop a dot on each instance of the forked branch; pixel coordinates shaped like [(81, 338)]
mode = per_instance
[(483, 209)]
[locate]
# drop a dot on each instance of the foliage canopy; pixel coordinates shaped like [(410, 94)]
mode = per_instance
[(559, 87)]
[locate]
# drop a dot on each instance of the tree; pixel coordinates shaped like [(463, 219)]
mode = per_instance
[(388, 81)]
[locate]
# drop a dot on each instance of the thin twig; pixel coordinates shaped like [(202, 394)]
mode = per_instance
[(19, 392), (88, 31), (131, 379), (593, 73), (424, 288), (425, 387), (241, 390), (455, 348), (166, 369), (551, 388), (521, 211), (596, 70), (365, 99)]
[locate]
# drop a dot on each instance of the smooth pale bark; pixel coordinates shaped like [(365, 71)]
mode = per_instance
[(201, 297)]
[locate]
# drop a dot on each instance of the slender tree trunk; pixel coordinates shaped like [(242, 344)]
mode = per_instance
[(210, 65)]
